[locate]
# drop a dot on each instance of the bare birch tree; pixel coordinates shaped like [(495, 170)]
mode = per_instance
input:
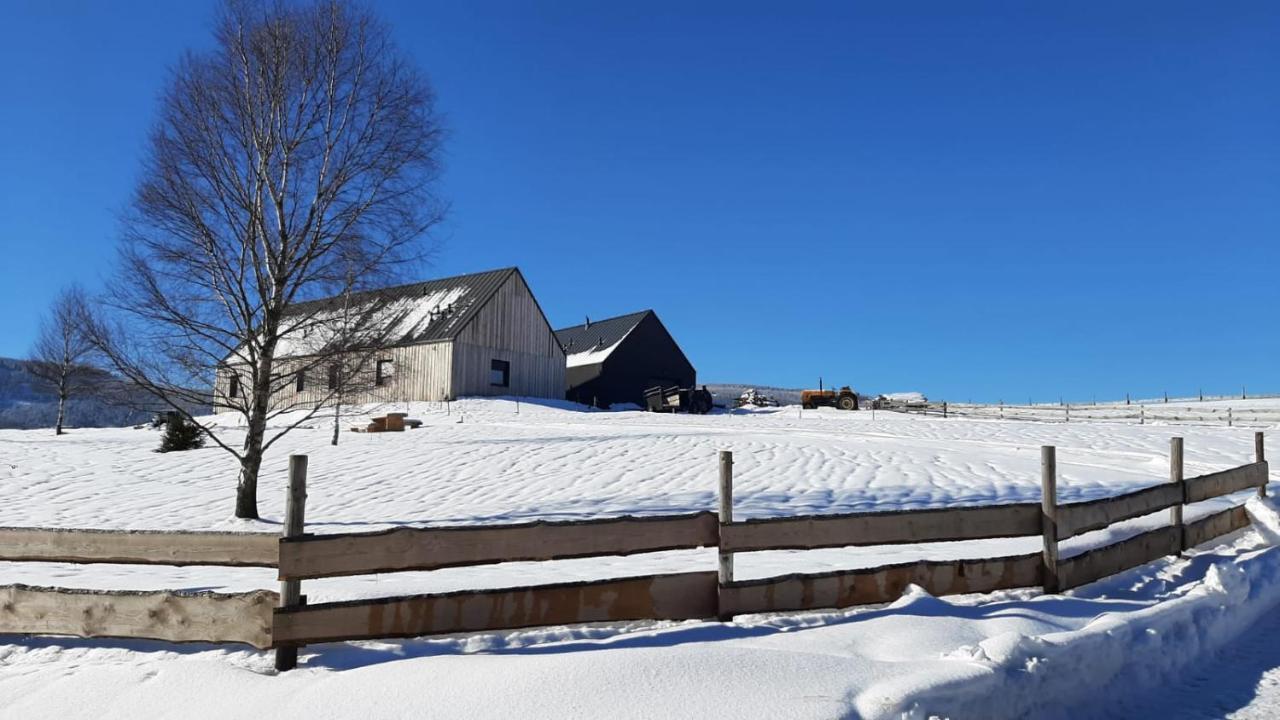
[(293, 158), (59, 357)]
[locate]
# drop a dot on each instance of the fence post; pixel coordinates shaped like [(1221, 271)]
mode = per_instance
[(1068, 413), (1230, 421), (944, 409), (1175, 476), (1260, 455), (1049, 515), (726, 517), (291, 590), (1142, 414)]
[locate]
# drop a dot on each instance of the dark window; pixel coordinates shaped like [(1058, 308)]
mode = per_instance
[(301, 382), (234, 390), (499, 373), (334, 371), (383, 372)]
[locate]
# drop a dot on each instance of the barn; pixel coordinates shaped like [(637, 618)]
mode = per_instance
[(615, 360), (477, 334)]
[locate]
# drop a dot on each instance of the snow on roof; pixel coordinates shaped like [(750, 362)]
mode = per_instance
[(401, 315), (396, 321), (591, 356), (593, 341)]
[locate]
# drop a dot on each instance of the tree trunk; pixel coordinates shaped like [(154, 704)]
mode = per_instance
[(247, 490), (62, 405), (337, 413), (251, 461)]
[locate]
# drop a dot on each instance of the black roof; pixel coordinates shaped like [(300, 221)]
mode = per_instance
[(598, 334), (479, 287)]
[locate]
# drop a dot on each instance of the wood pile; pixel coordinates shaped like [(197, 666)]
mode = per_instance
[(391, 422)]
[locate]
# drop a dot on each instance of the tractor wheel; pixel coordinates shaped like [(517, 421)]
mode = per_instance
[(846, 402)]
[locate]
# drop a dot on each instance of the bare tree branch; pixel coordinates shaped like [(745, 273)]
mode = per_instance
[(59, 357), (294, 161)]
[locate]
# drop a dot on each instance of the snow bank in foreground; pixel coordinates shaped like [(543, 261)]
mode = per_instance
[(1011, 654), (1083, 672)]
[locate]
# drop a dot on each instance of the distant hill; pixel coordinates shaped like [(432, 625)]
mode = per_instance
[(24, 404)]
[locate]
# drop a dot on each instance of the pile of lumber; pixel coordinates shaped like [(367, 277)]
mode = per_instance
[(391, 422)]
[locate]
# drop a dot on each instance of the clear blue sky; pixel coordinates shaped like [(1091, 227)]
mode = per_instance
[(979, 200)]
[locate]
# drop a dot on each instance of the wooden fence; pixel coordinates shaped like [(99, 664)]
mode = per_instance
[(1137, 413), (175, 616), (286, 622)]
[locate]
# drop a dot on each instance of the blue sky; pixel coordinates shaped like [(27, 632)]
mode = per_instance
[(979, 200)]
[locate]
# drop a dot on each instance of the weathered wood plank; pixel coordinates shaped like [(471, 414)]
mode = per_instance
[(176, 617), (139, 547), (1226, 482), (1118, 557), (656, 597), (879, 585), (1078, 518), (882, 528), (1219, 523), (315, 556)]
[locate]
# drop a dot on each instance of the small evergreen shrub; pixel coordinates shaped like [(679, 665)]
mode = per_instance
[(181, 434)]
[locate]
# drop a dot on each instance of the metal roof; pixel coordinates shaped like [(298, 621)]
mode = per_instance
[(468, 293), (598, 334)]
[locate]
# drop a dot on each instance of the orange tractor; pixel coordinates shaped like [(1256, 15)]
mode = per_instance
[(843, 399)]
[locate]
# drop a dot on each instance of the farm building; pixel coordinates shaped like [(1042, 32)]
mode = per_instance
[(616, 360), (477, 334)]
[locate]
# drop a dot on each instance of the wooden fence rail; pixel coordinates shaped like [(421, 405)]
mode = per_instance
[(165, 615), (881, 528), (293, 623), (879, 584), (656, 597), (139, 547), (406, 548)]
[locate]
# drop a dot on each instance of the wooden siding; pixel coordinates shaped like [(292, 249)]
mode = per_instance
[(530, 375), (509, 327), (421, 372)]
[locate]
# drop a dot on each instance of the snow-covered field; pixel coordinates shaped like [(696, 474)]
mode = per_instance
[(481, 461)]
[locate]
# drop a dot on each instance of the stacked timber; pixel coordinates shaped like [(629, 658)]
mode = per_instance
[(391, 422)]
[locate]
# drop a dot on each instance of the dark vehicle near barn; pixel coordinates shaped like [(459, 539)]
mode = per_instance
[(673, 399)]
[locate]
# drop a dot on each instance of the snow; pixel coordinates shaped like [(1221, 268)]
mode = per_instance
[(593, 356), (1093, 652), (403, 317), (906, 397)]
